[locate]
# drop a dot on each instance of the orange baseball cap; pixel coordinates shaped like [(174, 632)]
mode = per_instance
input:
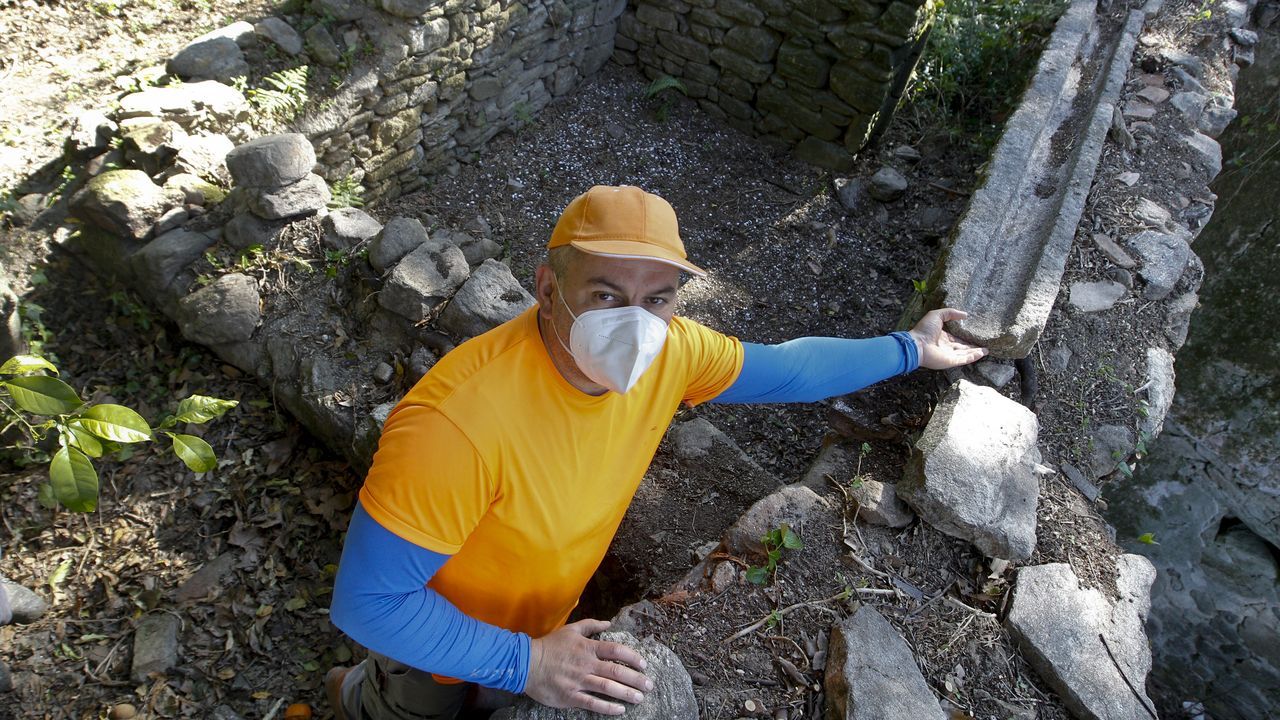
[(623, 222)]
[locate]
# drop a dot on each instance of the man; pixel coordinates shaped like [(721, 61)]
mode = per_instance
[(502, 476)]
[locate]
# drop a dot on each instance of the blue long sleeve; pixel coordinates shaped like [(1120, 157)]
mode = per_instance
[(815, 368), (380, 600)]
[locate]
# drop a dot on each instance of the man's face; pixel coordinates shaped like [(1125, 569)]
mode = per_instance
[(595, 282)]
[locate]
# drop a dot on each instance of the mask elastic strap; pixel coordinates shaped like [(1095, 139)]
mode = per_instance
[(556, 330)]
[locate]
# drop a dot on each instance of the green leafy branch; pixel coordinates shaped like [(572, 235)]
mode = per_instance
[(87, 431), (775, 541)]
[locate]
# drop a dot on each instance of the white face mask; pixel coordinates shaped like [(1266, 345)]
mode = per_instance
[(614, 346)]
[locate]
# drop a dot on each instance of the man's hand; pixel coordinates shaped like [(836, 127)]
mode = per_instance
[(939, 349), (566, 665)]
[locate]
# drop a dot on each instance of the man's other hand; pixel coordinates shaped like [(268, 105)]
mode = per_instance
[(939, 349), (566, 666)]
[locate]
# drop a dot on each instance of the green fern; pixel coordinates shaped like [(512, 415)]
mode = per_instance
[(285, 97), (666, 82)]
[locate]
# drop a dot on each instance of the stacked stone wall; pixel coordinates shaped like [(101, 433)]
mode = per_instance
[(822, 76), (446, 77)]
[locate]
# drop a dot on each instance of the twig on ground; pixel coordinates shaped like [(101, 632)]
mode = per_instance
[(931, 600), (975, 611), (778, 614), (793, 642), (945, 189), (274, 709)]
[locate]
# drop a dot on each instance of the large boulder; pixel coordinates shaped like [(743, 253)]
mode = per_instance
[(272, 161), (122, 202), (190, 104), (425, 278), (490, 297), (974, 472), (348, 226), (210, 57), (671, 698), (205, 156), (226, 311), (1092, 650), (159, 262), (792, 505), (872, 674)]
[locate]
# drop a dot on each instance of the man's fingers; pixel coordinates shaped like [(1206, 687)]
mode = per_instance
[(620, 653), (588, 627), (594, 704), (949, 314), (612, 689), (623, 675)]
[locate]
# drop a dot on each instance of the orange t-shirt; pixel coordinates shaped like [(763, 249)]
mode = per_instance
[(495, 459)]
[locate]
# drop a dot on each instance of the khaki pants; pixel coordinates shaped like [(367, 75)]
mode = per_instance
[(384, 689)]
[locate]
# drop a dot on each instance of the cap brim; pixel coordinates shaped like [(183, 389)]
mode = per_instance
[(631, 249)]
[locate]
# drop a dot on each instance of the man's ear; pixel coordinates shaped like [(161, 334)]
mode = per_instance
[(544, 288)]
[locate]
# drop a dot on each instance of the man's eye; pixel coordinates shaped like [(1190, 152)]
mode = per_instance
[(657, 301), (605, 297)]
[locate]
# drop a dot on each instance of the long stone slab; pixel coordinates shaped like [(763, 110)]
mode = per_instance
[(1006, 260)]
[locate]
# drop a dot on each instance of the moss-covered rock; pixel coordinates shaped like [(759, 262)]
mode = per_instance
[(121, 202)]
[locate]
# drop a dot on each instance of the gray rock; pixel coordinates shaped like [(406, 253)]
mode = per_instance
[(11, 342), (1096, 296), (224, 712), (1160, 386), (1177, 320), (25, 605), (1183, 59), (421, 360), (672, 696), (906, 154), (996, 374), (1187, 81), (878, 504), (399, 237), (1217, 115), (309, 195), (225, 311), (1247, 38), (205, 156), (422, 280), (1164, 257), (194, 190), (343, 10), (490, 297), (281, 33), (1065, 630), (213, 58), (1206, 154), (208, 102), (1190, 105), (852, 194), (972, 474), (476, 249), (872, 674), (155, 645), (322, 45), (407, 8), (150, 144), (122, 202), (791, 504), (90, 133), (887, 185), (1120, 275), (246, 230), (207, 579), (6, 678), (160, 261), (1081, 483), (345, 227), (1151, 214), (1114, 252), (698, 441), (171, 220), (383, 373), (272, 161), (1109, 445)]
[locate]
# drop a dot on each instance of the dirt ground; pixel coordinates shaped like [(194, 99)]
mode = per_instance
[(786, 260)]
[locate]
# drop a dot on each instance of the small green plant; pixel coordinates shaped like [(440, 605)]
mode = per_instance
[(920, 286), (775, 541), (285, 94), (660, 89), (85, 431), (1148, 539), (346, 192)]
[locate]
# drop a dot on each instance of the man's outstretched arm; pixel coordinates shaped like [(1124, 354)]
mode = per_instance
[(815, 368)]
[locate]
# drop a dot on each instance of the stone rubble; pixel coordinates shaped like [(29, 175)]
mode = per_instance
[(872, 674), (155, 645)]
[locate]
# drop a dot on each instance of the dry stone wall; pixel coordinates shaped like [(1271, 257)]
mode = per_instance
[(822, 76)]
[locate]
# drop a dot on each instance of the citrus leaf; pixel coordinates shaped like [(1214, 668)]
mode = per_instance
[(758, 575), (193, 451), (790, 540), (115, 422), (201, 409), (1148, 539), (42, 395), (83, 439), (74, 481), (24, 364)]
